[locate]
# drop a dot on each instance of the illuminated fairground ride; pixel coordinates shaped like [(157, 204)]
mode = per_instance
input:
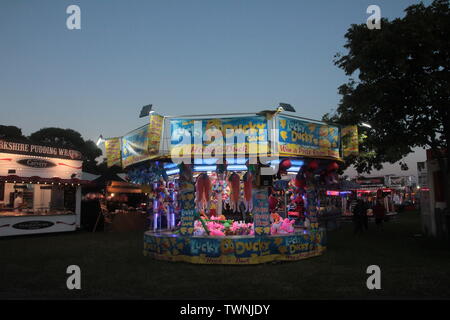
[(215, 183)]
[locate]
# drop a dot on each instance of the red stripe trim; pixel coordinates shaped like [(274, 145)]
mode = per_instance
[(69, 224), (63, 164)]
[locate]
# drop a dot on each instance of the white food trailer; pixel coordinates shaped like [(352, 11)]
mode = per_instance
[(40, 188)]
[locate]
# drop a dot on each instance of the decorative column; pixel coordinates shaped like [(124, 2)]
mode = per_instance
[(187, 197), (260, 199), (261, 213)]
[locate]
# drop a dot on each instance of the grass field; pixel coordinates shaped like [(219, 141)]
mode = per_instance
[(112, 264)]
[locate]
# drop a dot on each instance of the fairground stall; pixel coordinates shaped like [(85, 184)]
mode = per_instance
[(373, 188), (40, 188), (234, 188), (110, 203)]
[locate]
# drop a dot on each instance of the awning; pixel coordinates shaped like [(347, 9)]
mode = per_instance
[(123, 187), (41, 180), (344, 185)]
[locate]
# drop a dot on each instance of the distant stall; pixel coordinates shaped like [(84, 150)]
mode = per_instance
[(113, 204), (40, 188)]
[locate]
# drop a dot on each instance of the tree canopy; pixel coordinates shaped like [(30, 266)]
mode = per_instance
[(65, 138), (399, 83), (11, 132), (403, 84), (71, 139)]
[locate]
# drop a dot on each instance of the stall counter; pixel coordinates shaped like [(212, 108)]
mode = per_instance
[(33, 224)]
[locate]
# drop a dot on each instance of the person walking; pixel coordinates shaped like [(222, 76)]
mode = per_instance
[(357, 207), (379, 213), (364, 216)]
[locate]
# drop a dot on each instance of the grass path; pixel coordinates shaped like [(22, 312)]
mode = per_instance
[(113, 267)]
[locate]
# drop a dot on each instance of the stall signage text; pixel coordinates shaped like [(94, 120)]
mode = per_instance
[(38, 150), (261, 213), (36, 163), (231, 136), (303, 138), (32, 225)]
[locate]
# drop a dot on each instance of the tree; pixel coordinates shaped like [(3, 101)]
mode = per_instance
[(11, 132), (402, 86), (105, 170), (71, 139)]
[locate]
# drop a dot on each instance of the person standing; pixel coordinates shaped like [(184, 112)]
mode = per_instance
[(379, 214), (357, 207), (18, 202), (364, 216)]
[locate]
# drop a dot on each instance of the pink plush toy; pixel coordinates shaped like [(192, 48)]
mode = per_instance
[(287, 226), (198, 228), (252, 230), (215, 229), (275, 227), (235, 226), (282, 227), (216, 232)]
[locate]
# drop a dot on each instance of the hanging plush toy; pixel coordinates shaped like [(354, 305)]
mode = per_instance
[(248, 201), (313, 165), (331, 175), (235, 191), (203, 192), (272, 203), (300, 181), (333, 166), (284, 165)]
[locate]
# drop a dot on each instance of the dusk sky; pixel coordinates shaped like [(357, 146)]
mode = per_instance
[(184, 57)]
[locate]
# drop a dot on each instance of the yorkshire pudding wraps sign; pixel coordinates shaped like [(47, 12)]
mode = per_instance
[(39, 150)]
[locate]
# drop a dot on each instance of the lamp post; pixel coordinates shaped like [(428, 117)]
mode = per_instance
[(286, 107), (100, 140), (146, 110)]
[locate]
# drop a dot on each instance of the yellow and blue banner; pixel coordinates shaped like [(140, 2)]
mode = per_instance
[(154, 133), (302, 138), (113, 152), (250, 135), (350, 140), (135, 146), (234, 249)]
